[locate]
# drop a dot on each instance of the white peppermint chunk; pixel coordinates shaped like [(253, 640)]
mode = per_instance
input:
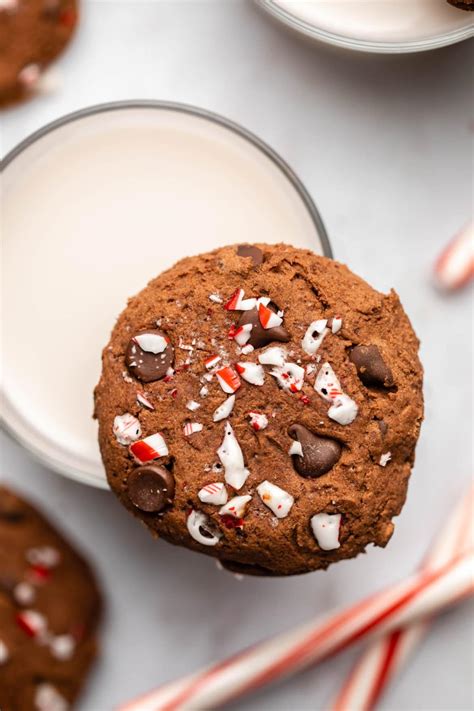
[(151, 342), (258, 420), (344, 411), (253, 373), (232, 459), (243, 333), (214, 493), (193, 405), (326, 530), (198, 526), (4, 653), (224, 410), (235, 507), (314, 336), (385, 458), (48, 698), (296, 448), (289, 377), (126, 429), (278, 500), (336, 324), (273, 356)]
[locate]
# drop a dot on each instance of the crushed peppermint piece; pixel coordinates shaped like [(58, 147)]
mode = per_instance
[(278, 500), (242, 334), (314, 336), (191, 427), (268, 318), (48, 698), (126, 377), (238, 303), (336, 324), (31, 622), (151, 342), (204, 391), (247, 349), (142, 400), (230, 454), (214, 493), (343, 409), (62, 647), (385, 458), (46, 556), (325, 528), (193, 405), (235, 507), (289, 377), (24, 593), (296, 449), (224, 410), (200, 529), (4, 653), (148, 449), (212, 361), (29, 75), (273, 356), (126, 429), (216, 298), (252, 373), (228, 379), (8, 5), (258, 420)]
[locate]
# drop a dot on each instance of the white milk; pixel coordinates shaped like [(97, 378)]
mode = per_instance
[(90, 213), (379, 20)]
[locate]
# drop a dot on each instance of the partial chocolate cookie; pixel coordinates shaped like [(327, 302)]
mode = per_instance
[(462, 4), (32, 34), (49, 611), (280, 436)]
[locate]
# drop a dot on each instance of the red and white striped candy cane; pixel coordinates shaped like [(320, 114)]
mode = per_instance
[(385, 656), (455, 265), (423, 594)]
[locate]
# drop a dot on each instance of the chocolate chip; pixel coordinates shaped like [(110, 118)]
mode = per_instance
[(143, 358), (320, 454), (260, 336), (371, 367), (249, 250), (151, 488)]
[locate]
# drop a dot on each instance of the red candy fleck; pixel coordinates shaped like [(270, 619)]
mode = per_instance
[(174, 393), (232, 332), (39, 573), (231, 522), (68, 18), (234, 300), (305, 399)]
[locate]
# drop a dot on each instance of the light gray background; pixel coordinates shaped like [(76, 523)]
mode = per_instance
[(383, 145)]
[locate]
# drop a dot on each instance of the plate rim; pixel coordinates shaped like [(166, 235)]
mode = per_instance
[(12, 425), (372, 47)]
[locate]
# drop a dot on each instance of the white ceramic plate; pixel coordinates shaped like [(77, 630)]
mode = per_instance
[(385, 26), (95, 205)]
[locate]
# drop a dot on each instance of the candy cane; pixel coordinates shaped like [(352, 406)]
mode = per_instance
[(421, 595), (385, 656), (455, 265)]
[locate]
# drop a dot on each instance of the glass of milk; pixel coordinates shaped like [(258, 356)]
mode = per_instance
[(94, 206)]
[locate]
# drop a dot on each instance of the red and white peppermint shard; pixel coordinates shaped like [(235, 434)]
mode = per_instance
[(273, 356), (235, 507), (268, 318), (230, 454), (31, 622), (455, 266), (151, 342), (278, 500), (63, 647), (252, 373), (46, 556), (200, 529), (314, 336), (126, 428), (242, 334), (193, 405), (296, 449), (325, 528), (148, 449), (142, 400), (238, 303), (224, 410), (258, 420), (48, 698), (289, 377), (191, 428), (214, 493), (343, 409), (336, 324), (212, 361), (228, 379)]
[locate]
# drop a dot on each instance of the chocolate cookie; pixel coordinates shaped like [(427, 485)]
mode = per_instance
[(32, 34), (281, 434), (49, 610)]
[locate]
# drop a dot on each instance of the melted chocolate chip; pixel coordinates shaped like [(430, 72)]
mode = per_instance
[(249, 250), (371, 367), (247, 569), (145, 365), (320, 454), (151, 488), (260, 336)]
